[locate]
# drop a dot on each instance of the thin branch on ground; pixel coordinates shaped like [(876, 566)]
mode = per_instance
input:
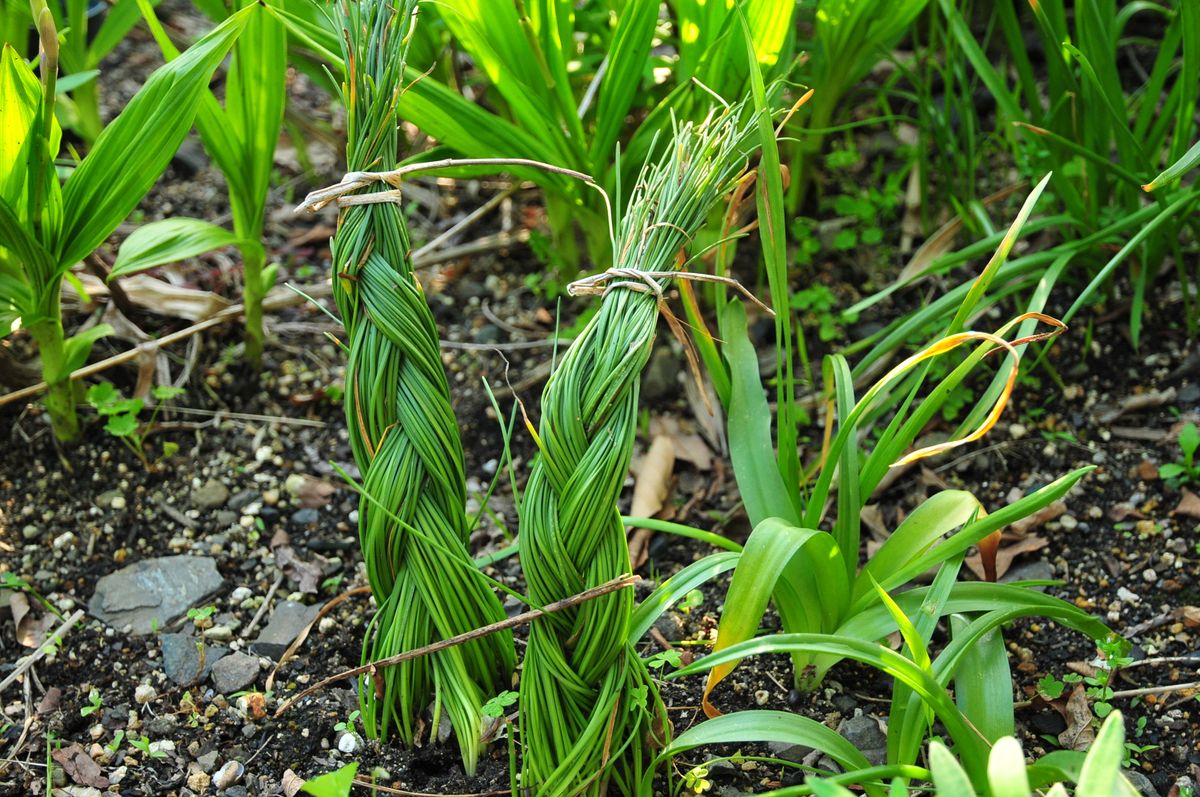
[(511, 622)]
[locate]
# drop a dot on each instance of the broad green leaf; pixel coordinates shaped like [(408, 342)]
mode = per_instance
[(20, 114), (751, 447), (948, 775), (1006, 769), (169, 241), (769, 551), (675, 588), (935, 517), (136, 147), (1101, 773), (332, 784), (122, 425), (765, 727), (983, 682)]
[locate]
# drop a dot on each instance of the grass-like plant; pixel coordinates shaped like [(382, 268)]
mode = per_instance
[(47, 227), (402, 428), (589, 712), (1116, 151), (241, 138)]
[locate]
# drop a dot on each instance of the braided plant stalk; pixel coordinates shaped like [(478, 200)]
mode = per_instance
[(590, 715), (413, 527)]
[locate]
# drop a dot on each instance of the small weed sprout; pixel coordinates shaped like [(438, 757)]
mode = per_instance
[(94, 704), (347, 726), (143, 744), (495, 706), (1183, 471), (201, 617), (122, 414)]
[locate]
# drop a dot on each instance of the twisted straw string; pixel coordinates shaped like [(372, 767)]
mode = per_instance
[(590, 713), (402, 428)]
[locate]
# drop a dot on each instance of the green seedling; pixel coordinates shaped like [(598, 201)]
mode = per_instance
[(47, 225), (667, 658), (115, 745), (142, 744), (348, 725), (495, 706), (201, 617), (122, 418), (94, 704), (1185, 470)]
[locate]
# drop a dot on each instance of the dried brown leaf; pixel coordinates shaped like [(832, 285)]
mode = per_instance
[(1038, 518), (80, 767), (1079, 734), (1189, 505), (653, 478)]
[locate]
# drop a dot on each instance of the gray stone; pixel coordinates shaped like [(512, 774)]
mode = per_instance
[(149, 594), (865, 733), (785, 751), (242, 499), (207, 762), (161, 726), (671, 626), (210, 495), (1141, 783), (1039, 570), (225, 518), (305, 517), (31, 532), (287, 621), (111, 499), (186, 659), (234, 672)]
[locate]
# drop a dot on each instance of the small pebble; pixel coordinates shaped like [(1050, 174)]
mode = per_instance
[(1068, 522), (144, 693), (1149, 575), (240, 594), (761, 697), (347, 743), (229, 774)]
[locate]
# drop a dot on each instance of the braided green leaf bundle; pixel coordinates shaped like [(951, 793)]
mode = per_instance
[(413, 527), (590, 714)]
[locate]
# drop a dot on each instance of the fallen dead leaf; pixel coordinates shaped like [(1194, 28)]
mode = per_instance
[(32, 628), (649, 491), (1133, 403), (1078, 714), (653, 478), (1119, 512), (1189, 504), (312, 492), (1005, 555), (157, 296), (872, 518), (80, 767), (689, 446), (1147, 471), (291, 783), (307, 575), (1190, 615)]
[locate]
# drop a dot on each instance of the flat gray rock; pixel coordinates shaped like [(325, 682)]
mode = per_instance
[(234, 672), (287, 621), (185, 661), (153, 592)]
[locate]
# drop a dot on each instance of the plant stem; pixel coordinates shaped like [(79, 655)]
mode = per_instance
[(60, 391), (253, 258)]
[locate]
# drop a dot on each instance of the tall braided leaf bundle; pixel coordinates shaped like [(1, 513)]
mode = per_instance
[(413, 529), (590, 713)]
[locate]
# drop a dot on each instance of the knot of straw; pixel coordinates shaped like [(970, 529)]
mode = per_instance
[(413, 526), (590, 713)]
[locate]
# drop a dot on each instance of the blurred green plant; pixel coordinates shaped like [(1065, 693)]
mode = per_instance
[(240, 137), (1094, 774), (48, 227), (566, 86)]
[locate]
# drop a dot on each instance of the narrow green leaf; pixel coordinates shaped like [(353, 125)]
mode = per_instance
[(1176, 169), (948, 775)]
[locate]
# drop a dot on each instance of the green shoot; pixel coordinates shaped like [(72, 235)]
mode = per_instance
[(1185, 470)]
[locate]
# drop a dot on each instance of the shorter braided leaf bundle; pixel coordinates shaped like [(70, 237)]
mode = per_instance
[(590, 713)]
